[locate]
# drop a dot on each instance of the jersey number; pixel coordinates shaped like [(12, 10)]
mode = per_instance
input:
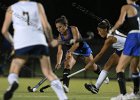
[(28, 18)]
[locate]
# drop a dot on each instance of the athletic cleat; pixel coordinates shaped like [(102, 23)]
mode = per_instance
[(121, 97), (66, 89), (92, 88), (9, 93), (106, 81), (134, 96)]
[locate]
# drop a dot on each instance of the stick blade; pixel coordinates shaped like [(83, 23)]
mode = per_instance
[(29, 89), (45, 87), (41, 90)]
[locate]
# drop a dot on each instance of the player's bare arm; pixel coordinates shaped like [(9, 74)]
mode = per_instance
[(121, 18), (7, 22), (76, 36), (59, 55), (109, 41), (45, 23)]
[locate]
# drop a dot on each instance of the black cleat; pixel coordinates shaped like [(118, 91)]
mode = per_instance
[(92, 88), (9, 93)]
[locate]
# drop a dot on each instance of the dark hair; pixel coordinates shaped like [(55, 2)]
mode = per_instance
[(62, 20), (104, 24)]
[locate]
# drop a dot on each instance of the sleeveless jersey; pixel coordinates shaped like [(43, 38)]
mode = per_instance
[(132, 44), (134, 22), (70, 36), (83, 48), (27, 25), (121, 38)]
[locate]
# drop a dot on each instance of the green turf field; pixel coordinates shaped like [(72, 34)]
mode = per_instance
[(77, 90)]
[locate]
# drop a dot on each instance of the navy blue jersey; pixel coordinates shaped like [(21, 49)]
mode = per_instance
[(133, 22), (132, 44), (83, 48), (70, 36)]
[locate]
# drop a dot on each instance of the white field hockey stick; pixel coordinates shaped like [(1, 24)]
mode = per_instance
[(77, 72)]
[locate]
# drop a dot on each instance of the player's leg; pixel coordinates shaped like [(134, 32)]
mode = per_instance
[(16, 65), (112, 61), (96, 68), (131, 50), (68, 64), (135, 78), (55, 82), (123, 62), (135, 73)]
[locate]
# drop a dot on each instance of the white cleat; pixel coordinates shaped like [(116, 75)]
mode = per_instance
[(133, 96), (121, 97), (66, 89), (106, 81)]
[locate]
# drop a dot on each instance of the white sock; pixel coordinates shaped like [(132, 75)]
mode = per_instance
[(101, 79), (12, 77), (57, 87)]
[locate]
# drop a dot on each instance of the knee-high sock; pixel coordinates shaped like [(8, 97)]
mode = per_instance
[(57, 87), (98, 70), (66, 80), (12, 77), (101, 79), (121, 82), (135, 78)]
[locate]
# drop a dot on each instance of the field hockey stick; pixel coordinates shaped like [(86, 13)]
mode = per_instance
[(89, 13), (41, 81), (77, 72), (90, 36), (86, 11), (38, 84)]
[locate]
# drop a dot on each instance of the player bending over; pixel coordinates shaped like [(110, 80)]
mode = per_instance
[(72, 51), (117, 41)]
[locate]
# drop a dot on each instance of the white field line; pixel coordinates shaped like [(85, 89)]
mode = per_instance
[(76, 97)]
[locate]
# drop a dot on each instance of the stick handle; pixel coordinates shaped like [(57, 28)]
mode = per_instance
[(79, 71), (86, 11), (39, 83), (84, 39)]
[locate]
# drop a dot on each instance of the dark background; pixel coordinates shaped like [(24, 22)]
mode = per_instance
[(104, 9), (108, 9)]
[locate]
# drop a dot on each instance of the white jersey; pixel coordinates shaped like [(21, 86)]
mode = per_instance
[(27, 25), (121, 38)]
